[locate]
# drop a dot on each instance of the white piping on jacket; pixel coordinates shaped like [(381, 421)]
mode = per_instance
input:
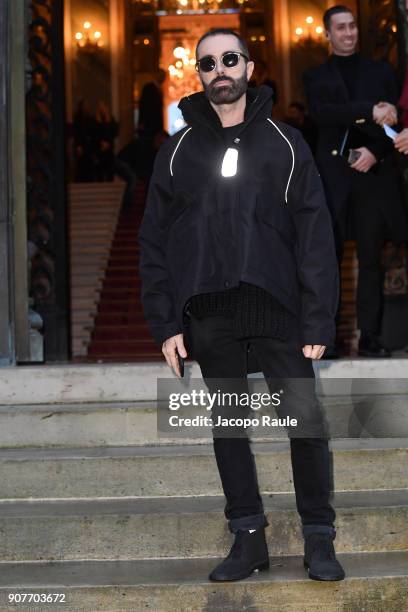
[(175, 150), (293, 157)]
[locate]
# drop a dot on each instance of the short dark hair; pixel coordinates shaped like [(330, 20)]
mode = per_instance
[(334, 10), (225, 31)]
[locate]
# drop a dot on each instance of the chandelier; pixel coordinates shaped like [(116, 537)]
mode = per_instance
[(190, 7), (308, 31), (183, 62), (88, 39)]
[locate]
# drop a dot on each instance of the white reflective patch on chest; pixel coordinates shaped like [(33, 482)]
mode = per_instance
[(230, 162)]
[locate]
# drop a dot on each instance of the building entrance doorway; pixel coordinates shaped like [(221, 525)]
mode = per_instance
[(70, 265)]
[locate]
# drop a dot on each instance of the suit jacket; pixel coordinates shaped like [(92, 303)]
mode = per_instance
[(151, 109), (335, 114)]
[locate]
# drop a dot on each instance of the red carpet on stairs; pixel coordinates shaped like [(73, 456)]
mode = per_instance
[(120, 332)]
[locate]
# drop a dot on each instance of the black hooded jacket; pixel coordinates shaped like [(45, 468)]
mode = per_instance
[(267, 225)]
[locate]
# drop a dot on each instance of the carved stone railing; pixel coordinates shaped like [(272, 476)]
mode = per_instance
[(46, 207)]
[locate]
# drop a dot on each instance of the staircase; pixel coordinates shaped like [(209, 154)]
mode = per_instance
[(347, 331), (120, 330), (93, 214), (95, 506)]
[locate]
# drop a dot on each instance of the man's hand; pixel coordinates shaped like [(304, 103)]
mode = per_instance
[(169, 351), (313, 351), (365, 161), (401, 141), (384, 112)]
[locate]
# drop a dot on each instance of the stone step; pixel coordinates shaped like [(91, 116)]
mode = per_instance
[(122, 285), (98, 228), (91, 271), (85, 303), (85, 247), (129, 292), (92, 186), (375, 582), (91, 244), (133, 318), (104, 222), (82, 217), (135, 528), (171, 470), (85, 291), (116, 273), (86, 321), (118, 307), (87, 279), (80, 348), (152, 355), (128, 383), (121, 333), (92, 260), (135, 423), (130, 347)]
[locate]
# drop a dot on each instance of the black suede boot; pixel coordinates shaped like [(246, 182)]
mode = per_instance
[(320, 558), (249, 552)]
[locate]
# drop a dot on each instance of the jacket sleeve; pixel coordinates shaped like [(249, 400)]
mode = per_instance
[(328, 113), (316, 260), (383, 145), (156, 292)]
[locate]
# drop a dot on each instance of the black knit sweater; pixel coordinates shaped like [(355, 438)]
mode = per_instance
[(255, 312)]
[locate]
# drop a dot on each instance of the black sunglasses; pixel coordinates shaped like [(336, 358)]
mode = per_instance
[(230, 59)]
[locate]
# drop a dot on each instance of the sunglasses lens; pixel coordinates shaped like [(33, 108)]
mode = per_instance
[(207, 64), (230, 60)]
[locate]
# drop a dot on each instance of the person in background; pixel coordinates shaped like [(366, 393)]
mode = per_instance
[(135, 163), (350, 98), (151, 106), (106, 130), (298, 118), (83, 131), (401, 142), (260, 77)]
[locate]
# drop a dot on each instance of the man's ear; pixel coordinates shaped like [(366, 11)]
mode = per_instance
[(327, 33), (249, 69)]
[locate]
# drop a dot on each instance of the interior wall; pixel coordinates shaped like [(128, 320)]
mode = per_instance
[(91, 74), (310, 48)]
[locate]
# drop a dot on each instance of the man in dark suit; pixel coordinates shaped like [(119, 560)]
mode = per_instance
[(351, 98), (151, 106)]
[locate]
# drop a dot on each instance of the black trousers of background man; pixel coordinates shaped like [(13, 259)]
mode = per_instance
[(221, 355), (374, 212)]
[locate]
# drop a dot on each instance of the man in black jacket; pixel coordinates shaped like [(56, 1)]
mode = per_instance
[(351, 98), (238, 257)]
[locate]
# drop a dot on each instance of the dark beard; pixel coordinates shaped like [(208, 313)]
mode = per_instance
[(226, 94)]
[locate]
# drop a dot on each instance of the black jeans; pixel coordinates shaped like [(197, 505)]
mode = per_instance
[(221, 355)]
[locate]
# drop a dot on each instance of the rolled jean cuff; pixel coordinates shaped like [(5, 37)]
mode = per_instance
[(243, 523), (309, 529)]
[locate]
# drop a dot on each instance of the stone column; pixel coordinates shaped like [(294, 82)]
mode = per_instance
[(279, 49), (7, 328), (121, 44)]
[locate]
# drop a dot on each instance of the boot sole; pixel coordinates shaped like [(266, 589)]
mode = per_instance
[(260, 567), (334, 578)]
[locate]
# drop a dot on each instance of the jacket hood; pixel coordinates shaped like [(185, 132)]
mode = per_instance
[(197, 110)]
